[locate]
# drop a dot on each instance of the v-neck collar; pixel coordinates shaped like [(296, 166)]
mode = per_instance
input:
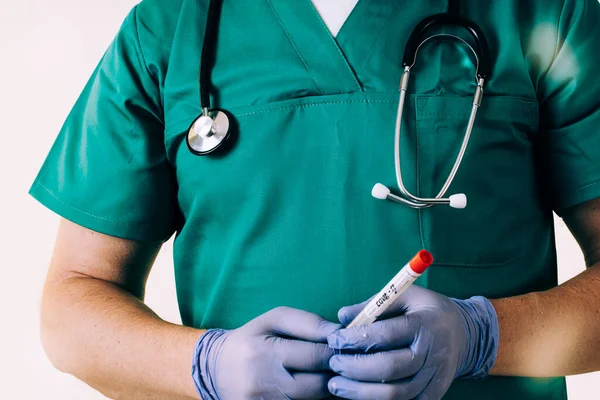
[(315, 46), (335, 63), (360, 36)]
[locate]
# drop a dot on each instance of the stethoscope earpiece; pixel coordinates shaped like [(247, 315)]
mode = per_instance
[(380, 191), (458, 200)]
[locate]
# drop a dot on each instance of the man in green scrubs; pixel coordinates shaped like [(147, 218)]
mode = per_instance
[(286, 219)]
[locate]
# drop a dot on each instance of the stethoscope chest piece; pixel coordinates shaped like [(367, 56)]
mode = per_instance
[(208, 132)]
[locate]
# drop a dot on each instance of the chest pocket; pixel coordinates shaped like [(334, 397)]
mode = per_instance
[(497, 175)]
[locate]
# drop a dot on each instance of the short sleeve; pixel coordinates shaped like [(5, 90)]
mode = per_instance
[(108, 169), (569, 97)]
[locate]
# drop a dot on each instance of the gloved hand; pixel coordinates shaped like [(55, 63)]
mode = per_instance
[(416, 349), (279, 355)]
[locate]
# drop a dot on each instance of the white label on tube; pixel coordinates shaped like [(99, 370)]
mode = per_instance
[(391, 292)]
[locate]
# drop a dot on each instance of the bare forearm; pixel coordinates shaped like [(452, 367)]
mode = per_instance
[(552, 333), (106, 337)]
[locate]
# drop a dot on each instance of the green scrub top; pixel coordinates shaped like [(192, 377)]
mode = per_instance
[(286, 217)]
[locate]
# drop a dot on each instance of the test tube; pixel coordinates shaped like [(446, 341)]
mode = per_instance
[(398, 285)]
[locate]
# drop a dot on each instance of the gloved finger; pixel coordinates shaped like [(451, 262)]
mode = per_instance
[(309, 386), (297, 355), (297, 324), (416, 298), (347, 314), (378, 367), (355, 390), (383, 335), (437, 387)]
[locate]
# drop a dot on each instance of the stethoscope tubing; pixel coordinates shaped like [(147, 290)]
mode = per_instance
[(409, 58)]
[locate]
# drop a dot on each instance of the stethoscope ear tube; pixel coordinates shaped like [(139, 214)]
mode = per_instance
[(407, 198)]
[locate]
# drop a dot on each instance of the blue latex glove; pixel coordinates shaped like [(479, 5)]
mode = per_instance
[(416, 349), (279, 355)]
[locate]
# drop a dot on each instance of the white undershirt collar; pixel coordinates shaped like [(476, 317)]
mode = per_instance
[(334, 12)]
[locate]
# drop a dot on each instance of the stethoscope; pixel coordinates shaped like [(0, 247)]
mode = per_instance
[(211, 129)]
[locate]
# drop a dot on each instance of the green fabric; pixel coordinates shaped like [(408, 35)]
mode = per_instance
[(286, 218)]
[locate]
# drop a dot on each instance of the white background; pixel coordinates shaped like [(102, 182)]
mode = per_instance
[(48, 49)]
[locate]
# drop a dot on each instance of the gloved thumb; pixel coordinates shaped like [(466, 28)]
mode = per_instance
[(347, 314), (413, 294), (294, 323)]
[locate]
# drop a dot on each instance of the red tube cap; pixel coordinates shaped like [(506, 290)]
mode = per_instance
[(421, 261)]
